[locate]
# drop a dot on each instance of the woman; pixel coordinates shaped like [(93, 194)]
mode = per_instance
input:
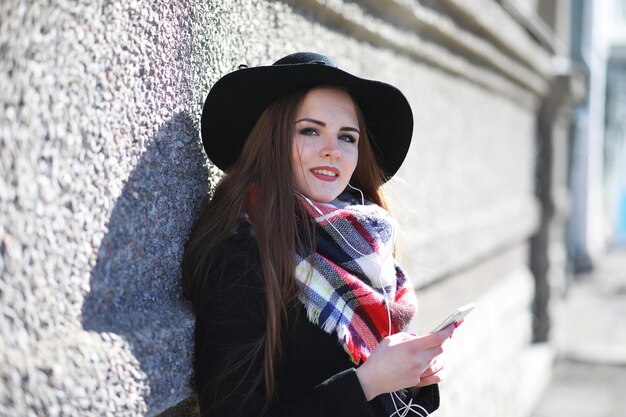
[(300, 305)]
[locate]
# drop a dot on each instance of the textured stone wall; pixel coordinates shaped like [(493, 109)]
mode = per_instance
[(103, 176), (101, 180)]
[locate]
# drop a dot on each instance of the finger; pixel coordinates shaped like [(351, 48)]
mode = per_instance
[(433, 375), (404, 336), (430, 380), (434, 339), (447, 331), (399, 337), (432, 370), (434, 352)]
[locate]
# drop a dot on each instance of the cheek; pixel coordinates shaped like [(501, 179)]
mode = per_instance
[(352, 159)]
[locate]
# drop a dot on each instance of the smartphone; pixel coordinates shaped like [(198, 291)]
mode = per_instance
[(455, 317)]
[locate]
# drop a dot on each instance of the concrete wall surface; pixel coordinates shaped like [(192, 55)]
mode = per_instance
[(103, 176)]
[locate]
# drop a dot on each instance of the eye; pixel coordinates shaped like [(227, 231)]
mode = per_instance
[(308, 131), (347, 138)]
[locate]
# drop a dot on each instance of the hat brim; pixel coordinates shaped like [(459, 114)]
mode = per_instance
[(237, 100)]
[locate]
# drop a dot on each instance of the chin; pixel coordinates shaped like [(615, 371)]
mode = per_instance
[(322, 197)]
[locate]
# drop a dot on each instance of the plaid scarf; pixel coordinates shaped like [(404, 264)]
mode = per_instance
[(342, 281)]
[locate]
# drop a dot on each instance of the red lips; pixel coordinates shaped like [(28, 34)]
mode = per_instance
[(325, 173)]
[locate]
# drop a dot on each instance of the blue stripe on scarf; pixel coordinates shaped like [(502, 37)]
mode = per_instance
[(369, 229)]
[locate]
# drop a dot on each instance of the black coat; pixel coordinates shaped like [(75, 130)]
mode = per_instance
[(316, 377)]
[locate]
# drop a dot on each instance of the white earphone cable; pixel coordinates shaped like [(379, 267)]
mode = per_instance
[(404, 408)]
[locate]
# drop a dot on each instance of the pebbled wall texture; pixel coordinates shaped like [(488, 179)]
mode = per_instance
[(103, 176)]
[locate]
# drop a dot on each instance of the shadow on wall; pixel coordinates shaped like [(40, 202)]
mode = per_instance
[(135, 284)]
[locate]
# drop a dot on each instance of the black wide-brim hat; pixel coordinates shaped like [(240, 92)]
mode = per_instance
[(237, 100)]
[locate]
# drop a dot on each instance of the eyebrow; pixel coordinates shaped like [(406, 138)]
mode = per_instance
[(319, 122)]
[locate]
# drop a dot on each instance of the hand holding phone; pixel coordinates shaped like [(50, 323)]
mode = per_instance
[(455, 317)]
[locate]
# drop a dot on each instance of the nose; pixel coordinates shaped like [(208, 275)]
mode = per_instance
[(330, 149)]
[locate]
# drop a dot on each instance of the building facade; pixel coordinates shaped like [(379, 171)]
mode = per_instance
[(103, 176)]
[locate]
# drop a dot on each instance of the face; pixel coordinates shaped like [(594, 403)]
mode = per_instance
[(325, 144)]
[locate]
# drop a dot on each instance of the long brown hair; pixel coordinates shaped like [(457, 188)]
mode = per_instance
[(265, 163)]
